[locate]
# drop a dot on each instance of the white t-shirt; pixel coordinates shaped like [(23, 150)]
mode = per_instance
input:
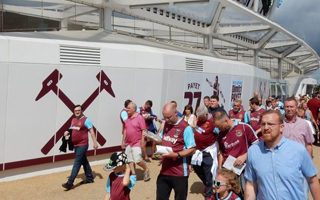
[(311, 127), (190, 120)]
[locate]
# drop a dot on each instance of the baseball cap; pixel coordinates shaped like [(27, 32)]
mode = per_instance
[(117, 159)]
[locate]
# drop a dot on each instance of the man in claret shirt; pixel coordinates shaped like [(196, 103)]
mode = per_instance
[(314, 105), (80, 126), (254, 115), (234, 140), (204, 160), (174, 172), (237, 113)]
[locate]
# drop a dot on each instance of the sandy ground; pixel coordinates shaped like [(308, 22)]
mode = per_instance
[(49, 186)]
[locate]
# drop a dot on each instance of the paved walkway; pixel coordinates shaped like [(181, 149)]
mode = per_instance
[(49, 186)]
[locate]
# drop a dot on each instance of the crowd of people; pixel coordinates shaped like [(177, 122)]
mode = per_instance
[(269, 147)]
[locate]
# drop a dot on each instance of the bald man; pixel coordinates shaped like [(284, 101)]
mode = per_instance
[(174, 172)]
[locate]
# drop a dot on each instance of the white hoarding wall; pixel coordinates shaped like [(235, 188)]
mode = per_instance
[(37, 100), (3, 109)]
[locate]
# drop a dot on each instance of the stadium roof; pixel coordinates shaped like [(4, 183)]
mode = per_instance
[(218, 20)]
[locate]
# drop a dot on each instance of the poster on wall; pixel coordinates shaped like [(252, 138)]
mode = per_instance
[(262, 87), (218, 85), (193, 90), (236, 90)]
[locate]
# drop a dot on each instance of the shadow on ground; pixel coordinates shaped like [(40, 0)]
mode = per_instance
[(82, 177), (139, 173), (197, 188)]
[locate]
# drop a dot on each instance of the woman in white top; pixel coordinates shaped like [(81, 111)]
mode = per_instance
[(188, 116)]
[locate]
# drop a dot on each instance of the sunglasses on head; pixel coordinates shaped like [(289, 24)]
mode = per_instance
[(219, 183)]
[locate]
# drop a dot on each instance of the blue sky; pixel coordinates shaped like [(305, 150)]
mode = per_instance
[(302, 18)]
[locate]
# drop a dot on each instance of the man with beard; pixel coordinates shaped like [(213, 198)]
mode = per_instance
[(237, 113), (204, 160), (276, 166)]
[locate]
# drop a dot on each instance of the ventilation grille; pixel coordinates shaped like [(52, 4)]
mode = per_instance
[(79, 55), (194, 65)]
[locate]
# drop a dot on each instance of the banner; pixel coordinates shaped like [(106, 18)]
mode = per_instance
[(236, 90)]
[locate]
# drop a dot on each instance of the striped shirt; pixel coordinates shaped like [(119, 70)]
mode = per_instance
[(298, 131)]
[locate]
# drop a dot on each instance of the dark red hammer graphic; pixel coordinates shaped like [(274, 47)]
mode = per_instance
[(50, 84)]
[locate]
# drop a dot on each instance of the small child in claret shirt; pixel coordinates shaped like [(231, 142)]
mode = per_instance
[(120, 181), (226, 185)]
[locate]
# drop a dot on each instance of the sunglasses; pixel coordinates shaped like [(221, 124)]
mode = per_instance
[(219, 183)]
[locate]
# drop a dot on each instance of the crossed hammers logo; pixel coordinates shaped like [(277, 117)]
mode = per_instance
[(50, 84)]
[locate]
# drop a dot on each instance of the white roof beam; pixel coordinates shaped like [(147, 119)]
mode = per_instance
[(272, 45), (48, 14), (311, 66), (241, 29), (266, 38), (271, 53), (310, 70), (310, 60), (298, 54), (148, 3), (93, 3), (304, 65), (168, 20), (86, 19), (233, 40), (216, 19), (302, 58), (290, 50), (53, 1), (75, 12)]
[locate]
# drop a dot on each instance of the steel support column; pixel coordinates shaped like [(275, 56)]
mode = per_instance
[(256, 58), (210, 42), (107, 19), (280, 68), (64, 24)]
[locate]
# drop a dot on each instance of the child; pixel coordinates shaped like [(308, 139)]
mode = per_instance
[(120, 181), (226, 185)]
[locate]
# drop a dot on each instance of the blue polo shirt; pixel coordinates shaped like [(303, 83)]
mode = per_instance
[(279, 173)]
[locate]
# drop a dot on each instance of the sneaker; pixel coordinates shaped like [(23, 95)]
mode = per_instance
[(146, 175), (156, 158), (86, 181), (67, 185)]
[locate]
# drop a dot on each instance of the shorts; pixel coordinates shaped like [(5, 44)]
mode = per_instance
[(134, 154)]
